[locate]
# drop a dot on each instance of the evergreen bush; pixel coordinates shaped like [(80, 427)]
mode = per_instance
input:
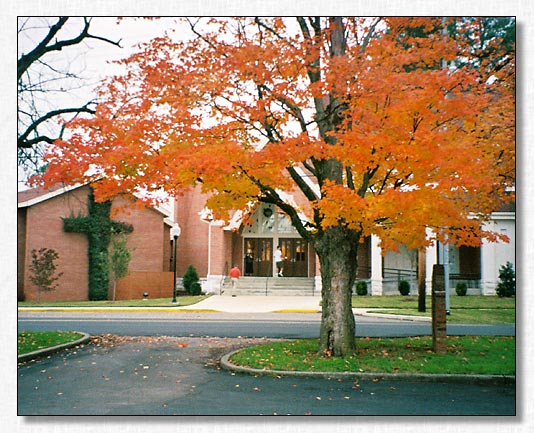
[(404, 287), (461, 289), (195, 289), (506, 285), (189, 279), (361, 288)]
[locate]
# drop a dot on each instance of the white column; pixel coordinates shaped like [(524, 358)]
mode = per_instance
[(376, 267), (488, 268)]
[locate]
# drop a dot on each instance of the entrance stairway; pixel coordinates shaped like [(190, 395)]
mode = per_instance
[(271, 286)]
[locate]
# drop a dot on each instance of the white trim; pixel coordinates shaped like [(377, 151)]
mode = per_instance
[(166, 209), (48, 195), (313, 186), (502, 216)]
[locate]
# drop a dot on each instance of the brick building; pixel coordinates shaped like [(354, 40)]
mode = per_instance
[(213, 248)]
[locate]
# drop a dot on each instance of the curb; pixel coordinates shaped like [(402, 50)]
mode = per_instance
[(176, 309), (49, 350), (186, 309), (404, 377), (370, 313)]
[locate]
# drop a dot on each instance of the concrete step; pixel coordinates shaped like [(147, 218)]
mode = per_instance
[(280, 286)]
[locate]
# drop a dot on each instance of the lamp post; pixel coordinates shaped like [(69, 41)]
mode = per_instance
[(175, 233)]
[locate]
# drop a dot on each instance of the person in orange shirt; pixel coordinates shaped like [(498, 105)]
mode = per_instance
[(234, 275)]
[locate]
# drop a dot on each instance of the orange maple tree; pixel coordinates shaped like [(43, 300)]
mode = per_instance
[(388, 126)]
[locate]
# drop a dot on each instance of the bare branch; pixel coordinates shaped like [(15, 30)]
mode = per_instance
[(23, 140), (26, 60), (369, 34)]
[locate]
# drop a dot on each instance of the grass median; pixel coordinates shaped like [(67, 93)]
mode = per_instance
[(465, 355), (463, 309), (32, 341)]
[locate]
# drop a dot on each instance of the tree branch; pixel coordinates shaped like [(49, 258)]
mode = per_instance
[(369, 35), (23, 140), (26, 60)]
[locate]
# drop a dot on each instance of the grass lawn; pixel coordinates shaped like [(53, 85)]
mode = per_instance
[(465, 355), (161, 302), (411, 302), (472, 316), (30, 341), (463, 309)]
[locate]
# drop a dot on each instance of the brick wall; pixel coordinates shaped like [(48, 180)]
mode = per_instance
[(192, 247), (44, 229), (147, 242), (21, 252), (156, 284)]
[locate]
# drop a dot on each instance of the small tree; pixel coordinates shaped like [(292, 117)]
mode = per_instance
[(191, 281), (506, 285), (119, 260), (43, 270)]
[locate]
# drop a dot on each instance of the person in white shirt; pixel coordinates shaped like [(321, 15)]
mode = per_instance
[(279, 260)]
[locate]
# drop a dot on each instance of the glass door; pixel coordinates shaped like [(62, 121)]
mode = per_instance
[(295, 250), (258, 259)]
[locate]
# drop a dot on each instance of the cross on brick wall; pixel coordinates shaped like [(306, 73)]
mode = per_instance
[(99, 228)]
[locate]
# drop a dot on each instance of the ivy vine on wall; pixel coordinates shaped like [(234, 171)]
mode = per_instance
[(99, 228)]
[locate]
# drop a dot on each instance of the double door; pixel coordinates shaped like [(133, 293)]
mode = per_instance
[(295, 251), (258, 257)]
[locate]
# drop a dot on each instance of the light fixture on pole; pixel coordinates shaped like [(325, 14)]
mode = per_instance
[(175, 234)]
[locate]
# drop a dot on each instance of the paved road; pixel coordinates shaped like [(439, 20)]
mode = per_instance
[(275, 325), (180, 375)]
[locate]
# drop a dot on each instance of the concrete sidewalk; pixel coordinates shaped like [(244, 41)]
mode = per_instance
[(281, 304), (258, 304)]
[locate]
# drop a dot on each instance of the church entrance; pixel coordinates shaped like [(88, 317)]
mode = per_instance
[(258, 257), (267, 228)]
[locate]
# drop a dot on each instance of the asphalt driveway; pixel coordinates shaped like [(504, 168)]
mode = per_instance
[(181, 376)]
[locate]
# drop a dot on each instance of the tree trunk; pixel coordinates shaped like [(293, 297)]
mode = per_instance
[(337, 250)]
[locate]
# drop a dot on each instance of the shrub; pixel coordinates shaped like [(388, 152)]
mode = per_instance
[(461, 289), (361, 288), (506, 285), (195, 289), (404, 287), (190, 278)]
